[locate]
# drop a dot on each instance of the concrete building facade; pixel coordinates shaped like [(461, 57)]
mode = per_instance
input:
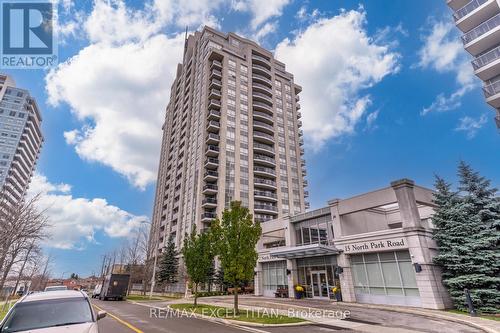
[(20, 138), (479, 20), (231, 132), (377, 247)]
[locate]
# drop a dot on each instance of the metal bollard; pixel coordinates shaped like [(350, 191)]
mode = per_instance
[(468, 302)]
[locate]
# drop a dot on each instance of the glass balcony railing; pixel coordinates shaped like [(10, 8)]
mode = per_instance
[(263, 146), (486, 58), (492, 88), (467, 9), (481, 29)]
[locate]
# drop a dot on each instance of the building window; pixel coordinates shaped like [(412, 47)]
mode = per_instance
[(387, 273), (274, 275)]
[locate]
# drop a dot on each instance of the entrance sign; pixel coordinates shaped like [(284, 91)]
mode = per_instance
[(376, 246)]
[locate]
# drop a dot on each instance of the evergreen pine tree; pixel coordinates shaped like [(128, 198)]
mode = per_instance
[(169, 264), (467, 236)]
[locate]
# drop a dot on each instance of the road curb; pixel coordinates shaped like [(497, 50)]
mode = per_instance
[(411, 311)]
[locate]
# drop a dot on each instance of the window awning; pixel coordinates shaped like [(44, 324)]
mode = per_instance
[(304, 251)]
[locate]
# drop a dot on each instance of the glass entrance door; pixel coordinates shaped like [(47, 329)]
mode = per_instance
[(319, 284)]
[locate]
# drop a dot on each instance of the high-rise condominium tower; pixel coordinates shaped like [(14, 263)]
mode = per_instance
[(231, 132), (20, 138), (479, 20)]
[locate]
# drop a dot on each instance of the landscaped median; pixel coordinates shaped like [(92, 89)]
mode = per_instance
[(262, 317), (146, 298)]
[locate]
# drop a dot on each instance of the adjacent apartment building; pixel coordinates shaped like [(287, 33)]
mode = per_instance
[(479, 20), (20, 138), (231, 132)]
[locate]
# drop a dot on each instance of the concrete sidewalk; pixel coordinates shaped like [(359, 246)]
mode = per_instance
[(368, 317)]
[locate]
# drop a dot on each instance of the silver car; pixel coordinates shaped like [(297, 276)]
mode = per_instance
[(52, 312)]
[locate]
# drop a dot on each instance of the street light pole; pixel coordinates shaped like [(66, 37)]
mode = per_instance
[(155, 251)]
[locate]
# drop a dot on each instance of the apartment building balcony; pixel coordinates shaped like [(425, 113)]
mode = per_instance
[(297, 106), (259, 106), (263, 148), (216, 74), (487, 65), (263, 137), (213, 115), (307, 205), (305, 183), (257, 59), (301, 151), (301, 142), (264, 117), (306, 194), (208, 216), (497, 118), (210, 189), (214, 104), (209, 202), (211, 163), (265, 196), (261, 97), (262, 70), (212, 151), (261, 218), (474, 13), (299, 123), (264, 172), (261, 79), (299, 115), (263, 127), (492, 92), (212, 138), (213, 126), (264, 160), (262, 88), (216, 64), (456, 4), (483, 37), (264, 183), (217, 84), (210, 176), (261, 207), (214, 93)]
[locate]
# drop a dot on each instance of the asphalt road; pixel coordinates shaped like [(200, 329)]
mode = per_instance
[(124, 317)]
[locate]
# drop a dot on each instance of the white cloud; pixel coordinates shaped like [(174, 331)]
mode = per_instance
[(371, 118), (261, 10), (265, 30), (118, 87), (74, 221), (334, 59), (471, 125), (443, 52), (120, 93)]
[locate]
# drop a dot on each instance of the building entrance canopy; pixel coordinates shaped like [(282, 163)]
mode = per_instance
[(304, 251)]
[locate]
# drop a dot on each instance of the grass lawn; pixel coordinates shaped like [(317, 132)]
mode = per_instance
[(244, 316), (4, 310), (142, 298), (490, 317)]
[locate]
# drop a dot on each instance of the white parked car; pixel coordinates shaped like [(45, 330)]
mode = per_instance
[(56, 288), (52, 312)]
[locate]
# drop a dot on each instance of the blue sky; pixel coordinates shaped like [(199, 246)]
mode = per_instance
[(388, 92)]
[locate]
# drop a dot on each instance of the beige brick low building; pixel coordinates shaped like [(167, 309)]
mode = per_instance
[(377, 247)]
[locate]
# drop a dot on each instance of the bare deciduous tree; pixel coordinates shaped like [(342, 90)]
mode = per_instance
[(21, 226)]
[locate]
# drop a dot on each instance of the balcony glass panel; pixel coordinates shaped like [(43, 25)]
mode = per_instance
[(481, 29), (467, 9), (486, 58)]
